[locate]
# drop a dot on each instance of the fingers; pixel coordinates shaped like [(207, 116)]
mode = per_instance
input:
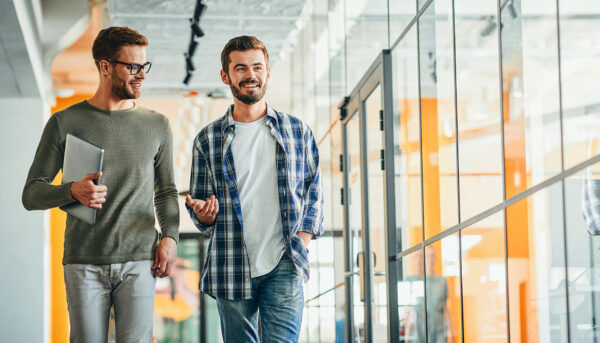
[(210, 208), (156, 260), (91, 177), (163, 266)]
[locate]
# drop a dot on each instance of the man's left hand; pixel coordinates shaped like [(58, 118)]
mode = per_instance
[(166, 253), (306, 237)]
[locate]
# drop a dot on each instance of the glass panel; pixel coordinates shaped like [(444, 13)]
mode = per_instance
[(582, 206), (366, 36), (411, 291), (407, 153), (530, 94), (484, 281), (355, 219), (536, 268), (478, 104), (442, 290), (401, 13), (580, 77), (337, 53), (376, 203), (438, 120)]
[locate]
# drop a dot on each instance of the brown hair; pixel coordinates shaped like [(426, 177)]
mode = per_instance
[(109, 41), (241, 43)]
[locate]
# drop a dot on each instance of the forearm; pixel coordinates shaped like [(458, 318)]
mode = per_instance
[(40, 195), (167, 212)]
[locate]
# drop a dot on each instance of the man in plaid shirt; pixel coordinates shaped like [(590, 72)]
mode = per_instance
[(256, 190)]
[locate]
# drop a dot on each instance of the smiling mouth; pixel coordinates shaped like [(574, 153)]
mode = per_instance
[(249, 84), (136, 84)]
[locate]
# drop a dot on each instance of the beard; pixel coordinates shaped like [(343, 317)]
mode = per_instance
[(119, 89), (251, 98)]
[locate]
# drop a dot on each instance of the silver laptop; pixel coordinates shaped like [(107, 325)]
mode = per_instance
[(81, 158)]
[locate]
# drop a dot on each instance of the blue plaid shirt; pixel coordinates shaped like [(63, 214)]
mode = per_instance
[(226, 271)]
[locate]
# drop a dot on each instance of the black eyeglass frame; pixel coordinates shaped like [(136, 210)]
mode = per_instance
[(133, 66)]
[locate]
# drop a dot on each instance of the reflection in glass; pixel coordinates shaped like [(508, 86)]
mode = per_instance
[(438, 122), (580, 78), (407, 154), (442, 285), (582, 206), (411, 292), (478, 105), (484, 281), (530, 94), (536, 267)]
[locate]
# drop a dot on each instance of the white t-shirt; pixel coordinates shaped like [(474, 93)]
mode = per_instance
[(254, 157)]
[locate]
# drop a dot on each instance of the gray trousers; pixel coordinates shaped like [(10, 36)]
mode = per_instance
[(93, 289)]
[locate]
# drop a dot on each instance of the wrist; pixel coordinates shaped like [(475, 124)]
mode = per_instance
[(169, 237)]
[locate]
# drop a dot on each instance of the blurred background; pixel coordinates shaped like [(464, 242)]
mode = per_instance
[(456, 137)]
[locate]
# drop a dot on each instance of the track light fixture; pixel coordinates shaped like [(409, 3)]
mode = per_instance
[(187, 78), (188, 63), (196, 32), (199, 10), (192, 47), (196, 28)]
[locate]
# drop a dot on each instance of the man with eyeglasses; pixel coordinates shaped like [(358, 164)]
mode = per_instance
[(115, 261)]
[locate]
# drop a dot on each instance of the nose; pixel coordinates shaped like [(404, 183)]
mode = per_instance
[(141, 75), (251, 74)]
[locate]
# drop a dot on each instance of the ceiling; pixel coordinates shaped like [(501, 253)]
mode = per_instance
[(166, 24)]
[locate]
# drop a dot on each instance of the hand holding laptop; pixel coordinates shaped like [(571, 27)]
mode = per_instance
[(87, 192)]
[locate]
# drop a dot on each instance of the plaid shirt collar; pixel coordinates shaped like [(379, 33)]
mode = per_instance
[(229, 124)]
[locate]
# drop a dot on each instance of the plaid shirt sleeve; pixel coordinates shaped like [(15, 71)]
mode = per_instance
[(591, 204), (201, 185), (312, 218)]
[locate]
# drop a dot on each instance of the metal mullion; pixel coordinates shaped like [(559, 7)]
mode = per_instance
[(421, 160), (347, 242), (562, 166), (508, 202), (390, 197), (501, 97), (459, 214), (365, 220)]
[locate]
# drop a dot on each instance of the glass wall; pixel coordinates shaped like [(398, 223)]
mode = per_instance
[(496, 122)]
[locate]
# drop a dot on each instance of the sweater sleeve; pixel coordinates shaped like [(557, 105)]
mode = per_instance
[(39, 193), (165, 192)]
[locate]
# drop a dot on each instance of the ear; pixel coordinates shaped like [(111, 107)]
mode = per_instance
[(224, 77), (105, 67)]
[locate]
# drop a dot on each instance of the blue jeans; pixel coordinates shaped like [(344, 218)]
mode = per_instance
[(279, 299)]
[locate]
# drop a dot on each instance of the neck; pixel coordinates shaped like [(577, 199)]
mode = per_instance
[(104, 99), (248, 113)]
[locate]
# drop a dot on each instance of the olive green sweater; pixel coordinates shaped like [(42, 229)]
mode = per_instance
[(137, 171)]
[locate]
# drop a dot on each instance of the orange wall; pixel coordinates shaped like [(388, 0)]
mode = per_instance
[(59, 318)]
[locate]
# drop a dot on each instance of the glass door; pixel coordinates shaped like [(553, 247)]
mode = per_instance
[(366, 216)]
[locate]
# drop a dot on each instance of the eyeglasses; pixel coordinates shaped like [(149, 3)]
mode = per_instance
[(134, 68)]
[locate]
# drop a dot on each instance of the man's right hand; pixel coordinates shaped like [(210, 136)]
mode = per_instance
[(206, 211), (88, 193)]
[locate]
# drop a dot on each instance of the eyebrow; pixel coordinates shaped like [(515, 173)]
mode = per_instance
[(245, 65)]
